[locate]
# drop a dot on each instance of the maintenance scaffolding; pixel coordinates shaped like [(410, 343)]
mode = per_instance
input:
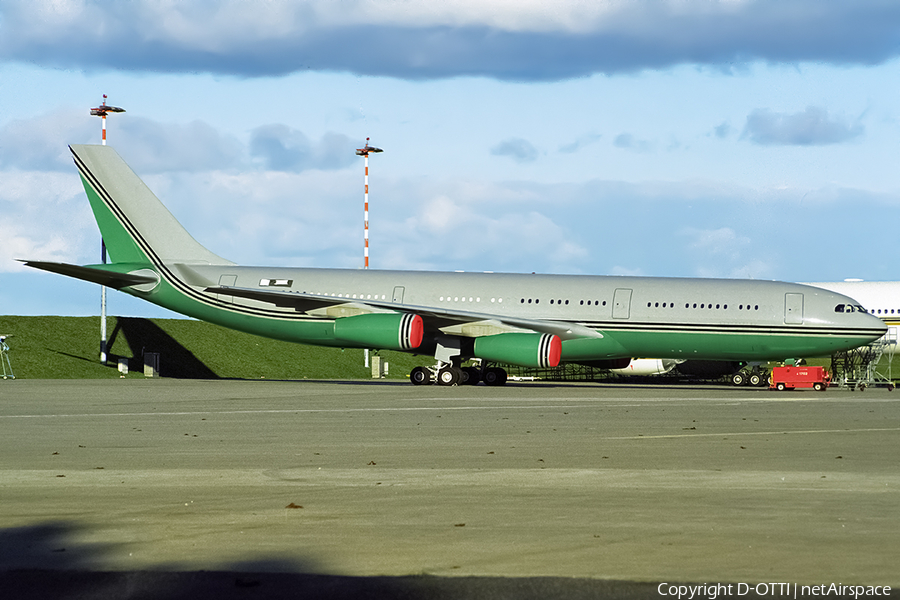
[(564, 372), (4, 358), (861, 367)]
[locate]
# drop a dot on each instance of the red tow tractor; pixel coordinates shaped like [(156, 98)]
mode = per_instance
[(789, 378)]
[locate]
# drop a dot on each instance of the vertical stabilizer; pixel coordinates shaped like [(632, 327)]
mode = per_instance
[(135, 225)]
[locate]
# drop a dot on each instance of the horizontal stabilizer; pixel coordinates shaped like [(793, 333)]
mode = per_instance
[(93, 274)]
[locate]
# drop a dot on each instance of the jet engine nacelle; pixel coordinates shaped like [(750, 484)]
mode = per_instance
[(648, 366), (524, 349), (389, 331)]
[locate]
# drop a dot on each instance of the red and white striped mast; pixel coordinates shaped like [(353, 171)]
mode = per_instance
[(101, 111), (365, 151)]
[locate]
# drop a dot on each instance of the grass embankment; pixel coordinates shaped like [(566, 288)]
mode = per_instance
[(69, 348)]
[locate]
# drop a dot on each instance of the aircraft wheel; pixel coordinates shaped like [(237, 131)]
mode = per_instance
[(739, 378), (495, 376), (449, 376), (471, 376), (420, 376), (754, 379)]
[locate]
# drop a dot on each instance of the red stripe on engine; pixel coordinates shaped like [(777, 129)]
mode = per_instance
[(554, 351), (416, 331)]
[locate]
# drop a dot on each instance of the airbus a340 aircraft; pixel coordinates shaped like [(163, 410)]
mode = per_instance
[(529, 320)]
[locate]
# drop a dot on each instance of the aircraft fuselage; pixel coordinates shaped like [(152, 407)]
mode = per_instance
[(632, 316)]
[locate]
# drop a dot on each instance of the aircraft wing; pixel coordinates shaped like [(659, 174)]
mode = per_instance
[(94, 274), (433, 317), (299, 301)]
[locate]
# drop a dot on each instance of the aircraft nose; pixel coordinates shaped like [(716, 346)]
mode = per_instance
[(875, 323)]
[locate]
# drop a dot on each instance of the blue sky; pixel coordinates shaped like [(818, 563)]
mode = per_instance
[(733, 138)]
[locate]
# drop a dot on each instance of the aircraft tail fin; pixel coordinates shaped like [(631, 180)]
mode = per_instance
[(136, 226)]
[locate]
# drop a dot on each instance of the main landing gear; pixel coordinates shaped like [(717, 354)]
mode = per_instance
[(444, 374), (755, 377)]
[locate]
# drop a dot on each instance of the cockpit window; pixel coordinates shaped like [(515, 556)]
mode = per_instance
[(849, 308)]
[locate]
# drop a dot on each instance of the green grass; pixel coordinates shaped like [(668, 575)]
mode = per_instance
[(69, 348)]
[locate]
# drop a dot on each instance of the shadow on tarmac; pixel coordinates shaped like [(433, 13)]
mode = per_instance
[(45, 561), (142, 335)]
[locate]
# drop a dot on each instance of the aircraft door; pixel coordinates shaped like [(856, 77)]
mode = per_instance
[(227, 280), (398, 294), (622, 304), (793, 309)]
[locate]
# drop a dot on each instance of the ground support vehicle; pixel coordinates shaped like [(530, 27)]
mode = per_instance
[(789, 378)]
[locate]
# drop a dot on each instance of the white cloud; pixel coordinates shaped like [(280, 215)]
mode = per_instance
[(812, 127), (518, 149), (40, 142), (416, 39), (583, 141), (282, 148), (313, 217), (627, 141), (151, 146), (724, 252), (508, 15), (43, 218), (722, 130)]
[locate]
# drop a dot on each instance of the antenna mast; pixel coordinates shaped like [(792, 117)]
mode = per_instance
[(101, 111), (365, 151)]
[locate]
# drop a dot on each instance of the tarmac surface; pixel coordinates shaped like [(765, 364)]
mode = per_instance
[(260, 489)]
